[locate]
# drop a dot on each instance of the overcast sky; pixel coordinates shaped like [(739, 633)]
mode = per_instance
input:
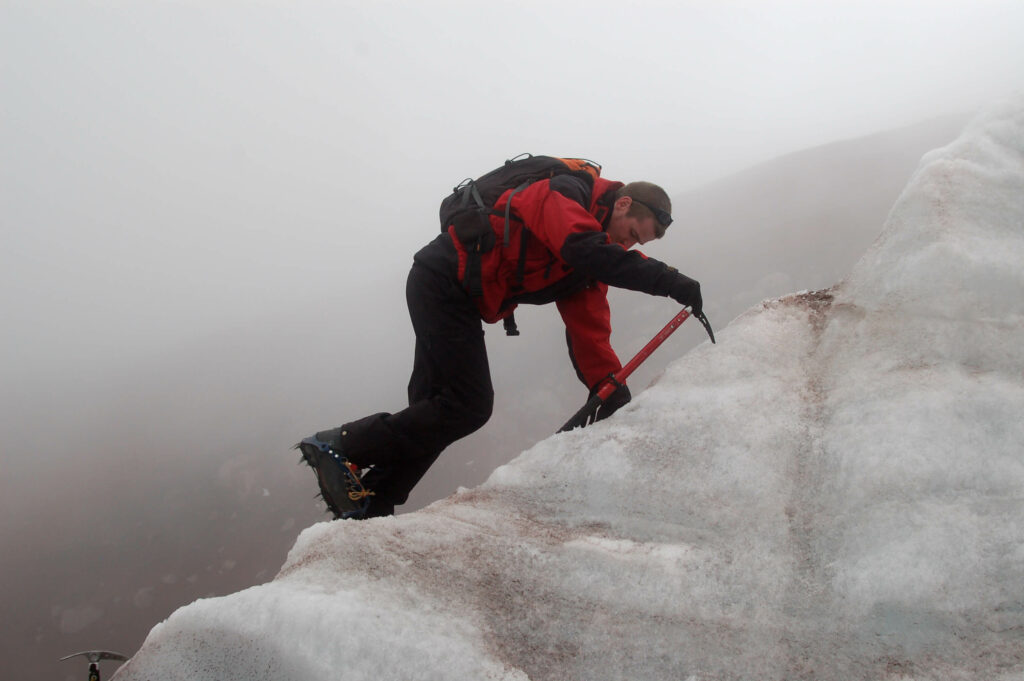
[(174, 169)]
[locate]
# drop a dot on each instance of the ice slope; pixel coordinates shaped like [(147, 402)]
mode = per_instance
[(834, 491)]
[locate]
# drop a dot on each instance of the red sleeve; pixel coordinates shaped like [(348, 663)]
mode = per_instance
[(588, 325)]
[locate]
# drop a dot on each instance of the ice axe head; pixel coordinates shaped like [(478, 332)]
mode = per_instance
[(94, 657), (707, 325)]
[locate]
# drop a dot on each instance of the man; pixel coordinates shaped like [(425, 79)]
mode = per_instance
[(562, 240)]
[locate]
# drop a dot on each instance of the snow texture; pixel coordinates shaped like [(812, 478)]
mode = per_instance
[(834, 491)]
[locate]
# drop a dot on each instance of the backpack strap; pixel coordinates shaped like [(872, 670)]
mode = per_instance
[(476, 197), (473, 280), (524, 240), (508, 211)]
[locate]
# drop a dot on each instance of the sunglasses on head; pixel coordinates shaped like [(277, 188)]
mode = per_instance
[(663, 218)]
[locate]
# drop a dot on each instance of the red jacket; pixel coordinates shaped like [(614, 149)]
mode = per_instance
[(568, 260)]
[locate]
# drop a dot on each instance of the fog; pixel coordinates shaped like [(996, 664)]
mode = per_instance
[(208, 214)]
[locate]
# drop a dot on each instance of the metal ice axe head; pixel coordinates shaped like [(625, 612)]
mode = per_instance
[(94, 657)]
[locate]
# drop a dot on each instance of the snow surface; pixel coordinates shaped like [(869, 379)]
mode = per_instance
[(834, 491)]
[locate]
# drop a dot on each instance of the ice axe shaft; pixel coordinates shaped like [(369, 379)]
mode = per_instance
[(587, 412)]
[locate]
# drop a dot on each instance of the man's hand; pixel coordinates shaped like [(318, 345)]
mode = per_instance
[(619, 398), (686, 292)]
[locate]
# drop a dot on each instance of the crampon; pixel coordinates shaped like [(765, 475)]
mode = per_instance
[(338, 478)]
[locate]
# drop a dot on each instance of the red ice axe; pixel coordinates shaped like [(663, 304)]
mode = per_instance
[(585, 416)]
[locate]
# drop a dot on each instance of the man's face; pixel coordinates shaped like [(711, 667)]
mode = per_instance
[(626, 230)]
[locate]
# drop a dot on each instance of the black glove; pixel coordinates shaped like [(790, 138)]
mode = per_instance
[(686, 292), (619, 398)]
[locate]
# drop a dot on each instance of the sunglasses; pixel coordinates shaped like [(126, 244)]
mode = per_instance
[(663, 218)]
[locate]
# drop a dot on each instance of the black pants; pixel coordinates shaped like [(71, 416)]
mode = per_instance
[(450, 391)]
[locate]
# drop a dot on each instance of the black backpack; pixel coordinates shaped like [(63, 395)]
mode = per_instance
[(471, 204)]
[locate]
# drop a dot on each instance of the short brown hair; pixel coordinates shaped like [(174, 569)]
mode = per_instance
[(650, 194)]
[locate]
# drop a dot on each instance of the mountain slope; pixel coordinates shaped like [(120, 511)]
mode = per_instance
[(835, 491)]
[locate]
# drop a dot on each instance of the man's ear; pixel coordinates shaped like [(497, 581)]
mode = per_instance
[(623, 202)]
